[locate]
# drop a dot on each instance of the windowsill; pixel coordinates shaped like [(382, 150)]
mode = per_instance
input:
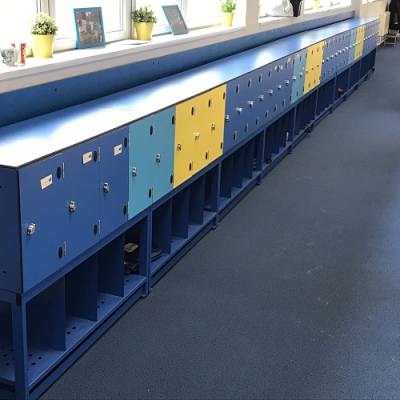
[(114, 50)]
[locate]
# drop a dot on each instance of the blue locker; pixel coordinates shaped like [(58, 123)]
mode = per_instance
[(43, 219), (82, 202), (114, 180), (141, 163), (298, 77), (240, 118), (163, 152)]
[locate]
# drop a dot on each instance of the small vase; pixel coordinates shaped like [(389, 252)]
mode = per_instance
[(43, 46), (228, 18), (144, 30)]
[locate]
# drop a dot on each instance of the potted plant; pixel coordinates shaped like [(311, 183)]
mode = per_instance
[(44, 29), (228, 8), (144, 19)]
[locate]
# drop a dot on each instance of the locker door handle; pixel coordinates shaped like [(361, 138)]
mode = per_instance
[(72, 206), (197, 135), (134, 171), (106, 187), (158, 158), (239, 110), (31, 229)]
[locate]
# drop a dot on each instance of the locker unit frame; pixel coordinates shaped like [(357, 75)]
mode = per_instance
[(202, 201)]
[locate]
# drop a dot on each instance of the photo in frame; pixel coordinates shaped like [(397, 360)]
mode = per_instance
[(175, 20), (89, 27)]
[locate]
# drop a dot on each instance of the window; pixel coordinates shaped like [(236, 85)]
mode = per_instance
[(273, 8), (116, 17), (323, 5), (195, 12), (15, 20)]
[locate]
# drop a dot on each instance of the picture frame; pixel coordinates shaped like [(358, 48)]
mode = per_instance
[(175, 20), (89, 27)]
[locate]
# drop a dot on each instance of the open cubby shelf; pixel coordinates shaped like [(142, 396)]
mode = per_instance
[(181, 218), (73, 307)]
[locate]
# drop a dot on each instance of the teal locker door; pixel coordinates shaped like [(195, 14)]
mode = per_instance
[(141, 165), (299, 75), (163, 145)]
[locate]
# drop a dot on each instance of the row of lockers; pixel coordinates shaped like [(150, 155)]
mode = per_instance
[(72, 200)]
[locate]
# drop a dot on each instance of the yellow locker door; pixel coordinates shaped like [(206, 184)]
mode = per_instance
[(319, 55), (214, 123), (184, 141), (360, 42), (313, 66), (200, 152)]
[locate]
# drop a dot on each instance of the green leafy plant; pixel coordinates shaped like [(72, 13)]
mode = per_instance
[(144, 14), (228, 6), (44, 25)]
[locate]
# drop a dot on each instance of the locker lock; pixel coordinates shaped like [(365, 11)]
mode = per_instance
[(213, 127), (227, 118), (31, 229), (270, 92), (301, 74), (279, 87), (294, 77), (287, 82), (72, 206), (197, 135), (134, 171), (106, 187), (239, 109), (179, 147), (158, 158), (250, 103), (261, 97)]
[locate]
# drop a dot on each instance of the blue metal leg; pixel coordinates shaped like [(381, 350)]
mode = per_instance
[(20, 346)]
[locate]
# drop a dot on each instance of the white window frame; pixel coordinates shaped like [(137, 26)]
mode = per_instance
[(48, 7)]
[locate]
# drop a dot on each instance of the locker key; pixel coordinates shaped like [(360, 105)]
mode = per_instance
[(250, 103), (31, 229), (72, 206), (158, 158), (239, 109), (134, 171), (106, 187)]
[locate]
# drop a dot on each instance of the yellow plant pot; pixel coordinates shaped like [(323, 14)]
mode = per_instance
[(144, 30), (43, 46), (228, 18)]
